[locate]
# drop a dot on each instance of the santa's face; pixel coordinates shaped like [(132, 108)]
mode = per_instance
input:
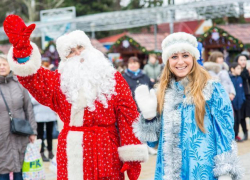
[(88, 75), (75, 51)]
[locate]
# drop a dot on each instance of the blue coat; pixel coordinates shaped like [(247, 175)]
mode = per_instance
[(240, 94), (185, 152)]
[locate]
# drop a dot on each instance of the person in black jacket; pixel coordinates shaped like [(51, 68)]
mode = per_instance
[(245, 110), (239, 99), (135, 76)]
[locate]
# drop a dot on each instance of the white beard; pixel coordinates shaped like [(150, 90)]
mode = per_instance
[(85, 82)]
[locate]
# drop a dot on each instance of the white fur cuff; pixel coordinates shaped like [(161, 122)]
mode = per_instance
[(133, 153), (28, 68)]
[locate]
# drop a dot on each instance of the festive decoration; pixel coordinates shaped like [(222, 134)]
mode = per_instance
[(125, 43), (135, 44), (215, 35), (216, 32)]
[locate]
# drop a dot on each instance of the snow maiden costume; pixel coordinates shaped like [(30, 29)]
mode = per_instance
[(184, 151), (97, 109)]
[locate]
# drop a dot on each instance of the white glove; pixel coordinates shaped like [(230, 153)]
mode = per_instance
[(225, 177), (146, 101)]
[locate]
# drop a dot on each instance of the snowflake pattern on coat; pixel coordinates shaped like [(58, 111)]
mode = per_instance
[(186, 153)]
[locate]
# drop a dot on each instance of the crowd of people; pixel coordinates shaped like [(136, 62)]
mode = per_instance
[(192, 113), (234, 78), (233, 75)]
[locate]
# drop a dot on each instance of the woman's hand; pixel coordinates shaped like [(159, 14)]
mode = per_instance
[(146, 101), (231, 96), (32, 138)]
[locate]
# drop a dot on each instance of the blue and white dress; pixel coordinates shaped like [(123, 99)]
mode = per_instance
[(185, 152)]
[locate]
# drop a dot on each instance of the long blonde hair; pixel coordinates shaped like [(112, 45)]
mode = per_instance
[(198, 78)]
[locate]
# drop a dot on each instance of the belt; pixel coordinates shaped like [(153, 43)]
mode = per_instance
[(98, 146)]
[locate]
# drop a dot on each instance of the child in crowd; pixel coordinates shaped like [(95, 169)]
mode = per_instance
[(239, 99)]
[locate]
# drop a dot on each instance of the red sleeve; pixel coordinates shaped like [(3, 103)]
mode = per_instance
[(43, 86), (126, 112)]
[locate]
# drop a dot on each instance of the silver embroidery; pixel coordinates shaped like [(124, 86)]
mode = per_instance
[(171, 128), (147, 132), (207, 93), (227, 163)]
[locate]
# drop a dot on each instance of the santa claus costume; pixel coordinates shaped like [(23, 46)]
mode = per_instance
[(91, 98)]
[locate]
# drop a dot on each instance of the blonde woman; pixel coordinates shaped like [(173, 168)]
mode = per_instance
[(194, 129)]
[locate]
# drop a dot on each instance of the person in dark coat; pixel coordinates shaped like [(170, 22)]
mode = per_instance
[(245, 110), (239, 99), (135, 76)]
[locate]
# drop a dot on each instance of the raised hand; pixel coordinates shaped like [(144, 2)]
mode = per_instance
[(18, 34), (147, 101)]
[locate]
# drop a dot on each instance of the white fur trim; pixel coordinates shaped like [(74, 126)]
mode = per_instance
[(71, 40), (133, 153), (212, 66), (28, 68), (179, 42), (76, 117), (77, 110), (74, 151), (179, 48)]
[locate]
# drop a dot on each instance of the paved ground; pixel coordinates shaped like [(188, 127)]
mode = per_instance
[(149, 167)]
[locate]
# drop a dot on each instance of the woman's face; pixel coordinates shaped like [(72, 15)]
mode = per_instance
[(220, 60), (242, 61), (75, 51), (133, 66), (181, 64), (4, 67)]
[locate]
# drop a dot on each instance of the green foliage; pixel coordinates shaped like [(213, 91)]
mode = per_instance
[(138, 4), (84, 7), (229, 20), (27, 9), (134, 4)]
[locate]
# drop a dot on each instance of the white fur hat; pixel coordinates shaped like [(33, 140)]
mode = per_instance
[(71, 40), (179, 42)]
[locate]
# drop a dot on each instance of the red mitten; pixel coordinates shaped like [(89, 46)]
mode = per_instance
[(19, 35), (133, 169)]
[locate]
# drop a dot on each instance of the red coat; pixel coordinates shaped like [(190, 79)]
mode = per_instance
[(90, 151)]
